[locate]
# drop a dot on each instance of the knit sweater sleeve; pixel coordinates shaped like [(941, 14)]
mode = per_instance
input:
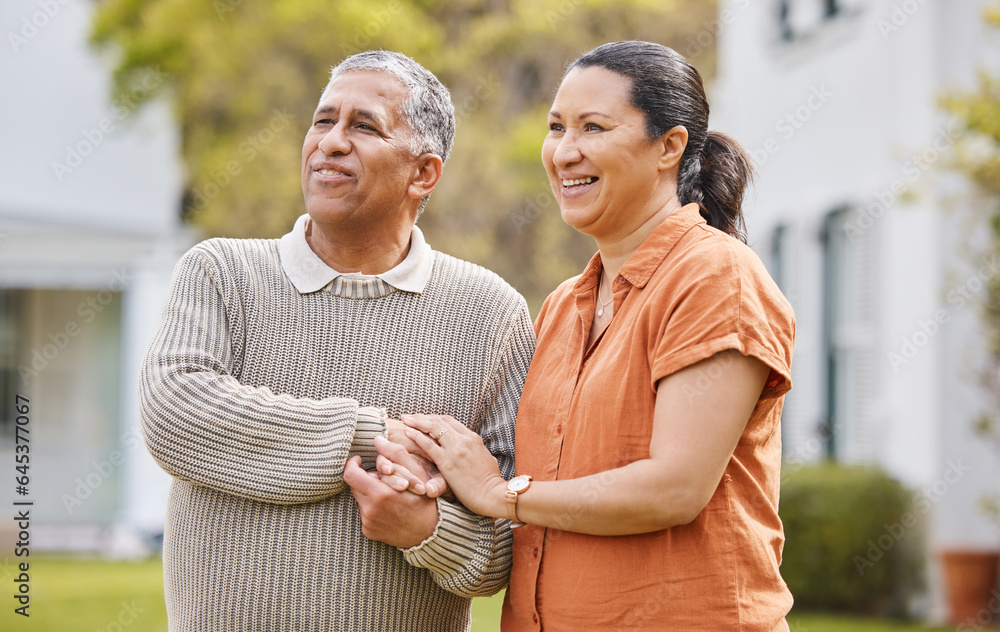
[(203, 426), (468, 554)]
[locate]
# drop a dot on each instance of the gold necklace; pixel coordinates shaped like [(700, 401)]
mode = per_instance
[(600, 284)]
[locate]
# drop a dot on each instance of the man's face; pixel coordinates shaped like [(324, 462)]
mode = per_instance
[(357, 164)]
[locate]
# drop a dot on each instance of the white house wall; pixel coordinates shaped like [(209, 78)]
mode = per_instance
[(57, 106), (848, 115), (89, 199)]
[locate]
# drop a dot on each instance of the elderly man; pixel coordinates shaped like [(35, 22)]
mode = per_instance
[(279, 363)]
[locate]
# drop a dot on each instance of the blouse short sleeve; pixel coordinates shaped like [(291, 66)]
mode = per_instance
[(718, 296)]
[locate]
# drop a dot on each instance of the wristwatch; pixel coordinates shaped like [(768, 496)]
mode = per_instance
[(515, 486)]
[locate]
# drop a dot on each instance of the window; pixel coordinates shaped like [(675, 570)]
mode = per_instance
[(777, 268), (62, 349), (849, 338), (785, 20), (799, 18)]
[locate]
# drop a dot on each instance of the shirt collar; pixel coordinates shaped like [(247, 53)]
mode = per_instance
[(643, 263), (647, 258), (308, 273)]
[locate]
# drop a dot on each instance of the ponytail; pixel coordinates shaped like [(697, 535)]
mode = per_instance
[(716, 182)]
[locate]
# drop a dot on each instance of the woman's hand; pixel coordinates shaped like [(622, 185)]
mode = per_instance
[(460, 454), (401, 469)]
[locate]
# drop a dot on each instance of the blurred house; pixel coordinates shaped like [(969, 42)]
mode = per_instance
[(89, 233), (838, 102)]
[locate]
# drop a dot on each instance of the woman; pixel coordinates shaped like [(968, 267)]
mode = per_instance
[(649, 423)]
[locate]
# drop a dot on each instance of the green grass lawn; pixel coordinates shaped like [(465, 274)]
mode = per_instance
[(87, 596), (100, 596)]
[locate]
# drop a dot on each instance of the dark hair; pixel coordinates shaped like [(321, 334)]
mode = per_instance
[(714, 170)]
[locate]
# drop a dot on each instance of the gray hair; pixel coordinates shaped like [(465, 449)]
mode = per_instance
[(427, 109)]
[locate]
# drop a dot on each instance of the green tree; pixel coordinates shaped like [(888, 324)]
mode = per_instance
[(977, 156), (245, 76)]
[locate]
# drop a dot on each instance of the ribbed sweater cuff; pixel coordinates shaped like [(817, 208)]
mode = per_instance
[(371, 424), (453, 543)]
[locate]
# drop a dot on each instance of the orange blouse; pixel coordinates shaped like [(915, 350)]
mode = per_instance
[(689, 292)]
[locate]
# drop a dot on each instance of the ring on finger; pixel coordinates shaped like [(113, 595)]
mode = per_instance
[(437, 437)]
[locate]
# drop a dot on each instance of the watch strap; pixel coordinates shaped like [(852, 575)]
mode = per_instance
[(511, 497), (512, 494)]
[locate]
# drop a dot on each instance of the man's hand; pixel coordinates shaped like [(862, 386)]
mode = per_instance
[(401, 469), (396, 432), (397, 518)]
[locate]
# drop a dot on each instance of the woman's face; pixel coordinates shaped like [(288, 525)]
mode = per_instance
[(603, 169)]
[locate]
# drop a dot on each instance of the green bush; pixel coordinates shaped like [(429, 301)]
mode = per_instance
[(853, 539)]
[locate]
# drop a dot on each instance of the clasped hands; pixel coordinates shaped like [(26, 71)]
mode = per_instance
[(425, 457)]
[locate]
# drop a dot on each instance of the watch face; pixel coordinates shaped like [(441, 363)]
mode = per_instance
[(519, 483)]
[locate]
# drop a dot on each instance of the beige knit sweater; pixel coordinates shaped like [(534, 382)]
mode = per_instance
[(254, 395)]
